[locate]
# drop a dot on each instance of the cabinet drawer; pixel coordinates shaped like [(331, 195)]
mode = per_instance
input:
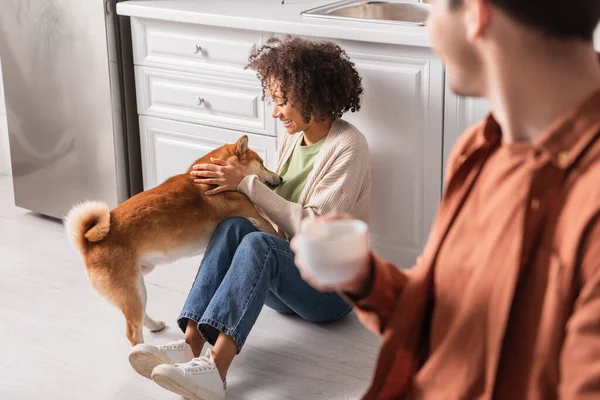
[(193, 47), (194, 98), (170, 147)]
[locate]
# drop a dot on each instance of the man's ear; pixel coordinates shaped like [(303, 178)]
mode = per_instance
[(478, 16), (241, 145)]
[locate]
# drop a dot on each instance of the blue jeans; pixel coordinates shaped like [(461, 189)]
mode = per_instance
[(242, 270)]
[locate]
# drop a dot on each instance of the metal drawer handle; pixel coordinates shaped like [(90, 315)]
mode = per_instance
[(199, 100), (197, 49)]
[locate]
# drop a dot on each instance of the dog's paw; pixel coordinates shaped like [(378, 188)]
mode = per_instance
[(158, 327)]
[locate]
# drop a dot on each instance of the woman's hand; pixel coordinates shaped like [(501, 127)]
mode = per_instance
[(223, 174), (358, 287)]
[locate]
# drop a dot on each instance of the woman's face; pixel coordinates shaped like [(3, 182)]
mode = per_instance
[(285, 111)]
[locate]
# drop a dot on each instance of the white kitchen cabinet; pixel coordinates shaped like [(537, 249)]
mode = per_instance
[(170, 147), (460, 113), (194, 95), (401, 116)]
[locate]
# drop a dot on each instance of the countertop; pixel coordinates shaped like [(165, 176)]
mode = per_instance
[(272, 16)]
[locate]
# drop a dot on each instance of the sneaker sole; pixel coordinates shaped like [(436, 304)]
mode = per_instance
[(144, 363), (172, 386)]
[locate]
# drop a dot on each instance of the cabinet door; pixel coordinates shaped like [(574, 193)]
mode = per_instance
[(460, 114), (401, 116), (170, 147)]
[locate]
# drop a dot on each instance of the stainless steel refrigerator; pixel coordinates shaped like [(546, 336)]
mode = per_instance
[(68, 79)]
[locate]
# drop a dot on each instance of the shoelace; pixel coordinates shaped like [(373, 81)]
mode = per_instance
[(202, 363), (176, 345)]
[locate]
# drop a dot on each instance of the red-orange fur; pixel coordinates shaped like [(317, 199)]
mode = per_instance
[(174, 215)]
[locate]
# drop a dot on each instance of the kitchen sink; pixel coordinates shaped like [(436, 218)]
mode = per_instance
[(389, 12)]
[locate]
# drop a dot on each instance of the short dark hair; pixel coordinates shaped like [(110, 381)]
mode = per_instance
[(562, 19), (316, 76)]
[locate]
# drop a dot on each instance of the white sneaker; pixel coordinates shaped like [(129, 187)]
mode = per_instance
[(145, 357), (198, 379)]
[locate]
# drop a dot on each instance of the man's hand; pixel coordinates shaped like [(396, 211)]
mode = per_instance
[(223, 174), (358, 287)]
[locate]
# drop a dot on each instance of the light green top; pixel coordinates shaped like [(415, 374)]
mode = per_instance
[(296, 169)]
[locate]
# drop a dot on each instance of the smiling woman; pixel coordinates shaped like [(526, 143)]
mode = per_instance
[(324, 165)]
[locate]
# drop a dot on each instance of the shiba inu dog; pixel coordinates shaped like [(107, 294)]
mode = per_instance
[(160, 225)]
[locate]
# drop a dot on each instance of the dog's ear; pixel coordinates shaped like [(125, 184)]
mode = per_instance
[(242, 145)]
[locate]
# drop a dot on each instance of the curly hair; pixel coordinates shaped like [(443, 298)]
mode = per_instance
[(316, 76)]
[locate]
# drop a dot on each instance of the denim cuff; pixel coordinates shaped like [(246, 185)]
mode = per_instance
[(182, 321), (205, 323)]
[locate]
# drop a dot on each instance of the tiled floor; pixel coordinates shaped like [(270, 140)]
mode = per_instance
[(60, 340)]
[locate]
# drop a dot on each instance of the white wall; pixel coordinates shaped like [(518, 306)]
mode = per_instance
[(4, 153)]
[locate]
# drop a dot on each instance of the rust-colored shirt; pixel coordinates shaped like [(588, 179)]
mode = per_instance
[(505, 301), (469, 270)]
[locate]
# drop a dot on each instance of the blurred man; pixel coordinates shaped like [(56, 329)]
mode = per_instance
[(505, 301)]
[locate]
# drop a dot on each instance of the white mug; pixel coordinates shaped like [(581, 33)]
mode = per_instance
[(333, 252)]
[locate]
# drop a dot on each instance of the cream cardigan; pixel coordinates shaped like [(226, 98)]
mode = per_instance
[(340, 181)]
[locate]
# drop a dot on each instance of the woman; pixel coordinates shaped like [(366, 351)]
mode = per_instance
[(324, 164)]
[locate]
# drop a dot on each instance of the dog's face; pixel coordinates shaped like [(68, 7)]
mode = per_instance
[(250, 162)]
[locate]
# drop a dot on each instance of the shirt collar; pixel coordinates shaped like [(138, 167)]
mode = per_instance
[(569, 137), (563, 142)]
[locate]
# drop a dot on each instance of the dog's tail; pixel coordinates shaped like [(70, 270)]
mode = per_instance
[(87, 222)]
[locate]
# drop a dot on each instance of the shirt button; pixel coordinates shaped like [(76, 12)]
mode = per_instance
[(563, 158), (535, 204)]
